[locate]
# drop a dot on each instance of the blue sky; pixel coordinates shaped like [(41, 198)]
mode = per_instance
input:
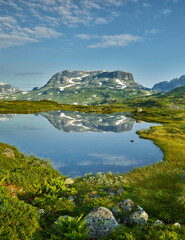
[(41, 37)]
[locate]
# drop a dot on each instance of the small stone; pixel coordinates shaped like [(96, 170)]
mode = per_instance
[(69, 181), (112, 194), (41, 212), (9, 153), (177, 224), (101, 222), (71, 199), (120, 191), (126, 205), (157, 223), (101, 190), (138, 218)]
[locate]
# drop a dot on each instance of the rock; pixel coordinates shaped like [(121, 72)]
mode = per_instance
[(8, 152), (138, 218), (41, 212), (101, 190), (69, 181), (112, 194), (157, 223), (71, 199), (94, 196), (177, 224), (126, 205), (115, 211), (101, 222), (120, 191)]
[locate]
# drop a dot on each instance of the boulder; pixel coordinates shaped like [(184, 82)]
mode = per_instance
[(138, 218), (101, 222), (9, 153), (69, 181), (157, 223), (126, 205), (177, 224)]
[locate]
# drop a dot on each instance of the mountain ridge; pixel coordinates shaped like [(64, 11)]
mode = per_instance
[(167, 86)]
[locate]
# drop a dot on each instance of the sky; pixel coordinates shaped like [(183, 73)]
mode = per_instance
[(39, 38)]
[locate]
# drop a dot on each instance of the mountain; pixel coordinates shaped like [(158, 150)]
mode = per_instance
[(84, 122), (168, 86), (87, 87), (7, 89)]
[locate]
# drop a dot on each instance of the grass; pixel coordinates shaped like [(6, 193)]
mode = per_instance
[(28, 183)]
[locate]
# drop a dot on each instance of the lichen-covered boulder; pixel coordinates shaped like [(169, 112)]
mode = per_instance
[(126, 205), (9, 153), (101, 222), (69, 181), (138, 218)]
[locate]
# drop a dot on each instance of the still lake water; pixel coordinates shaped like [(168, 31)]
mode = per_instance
[(79, 143)]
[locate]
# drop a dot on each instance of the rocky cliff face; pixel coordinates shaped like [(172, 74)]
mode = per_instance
[(84, 122), (168, 86)]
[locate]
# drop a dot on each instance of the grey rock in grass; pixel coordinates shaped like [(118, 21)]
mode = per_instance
[(69, 181), (157, 223), (71, 199), (101, 222), (120, 191), (126, 205), (9, 153), (177, 224), (138, 218)]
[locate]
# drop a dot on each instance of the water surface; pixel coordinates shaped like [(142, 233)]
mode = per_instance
[(79, 143)]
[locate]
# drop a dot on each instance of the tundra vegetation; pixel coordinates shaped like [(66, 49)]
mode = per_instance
[(33, 195)]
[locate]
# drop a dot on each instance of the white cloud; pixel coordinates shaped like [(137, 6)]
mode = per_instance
[(146, 5), (11, 34), (165, 12), (151, 31), (109, 159), (116, 40), (84, 36)]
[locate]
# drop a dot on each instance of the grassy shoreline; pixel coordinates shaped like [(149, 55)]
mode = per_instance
[(29, 183)]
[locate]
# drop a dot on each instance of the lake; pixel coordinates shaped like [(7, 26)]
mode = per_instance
[(79, 143)]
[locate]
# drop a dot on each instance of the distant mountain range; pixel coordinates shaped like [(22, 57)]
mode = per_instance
[(168, 86), (7, 89), (89, 87)]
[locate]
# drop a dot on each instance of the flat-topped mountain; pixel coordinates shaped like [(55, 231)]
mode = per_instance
[(84, 122), (168, 86), (87, 87)]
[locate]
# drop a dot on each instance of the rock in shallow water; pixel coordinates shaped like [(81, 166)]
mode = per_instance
[(101, 222)]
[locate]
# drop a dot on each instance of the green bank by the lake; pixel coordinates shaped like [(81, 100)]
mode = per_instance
[(33, 194)]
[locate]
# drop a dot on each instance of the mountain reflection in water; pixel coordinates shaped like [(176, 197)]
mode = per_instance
[(79, 143), (89, 122)]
